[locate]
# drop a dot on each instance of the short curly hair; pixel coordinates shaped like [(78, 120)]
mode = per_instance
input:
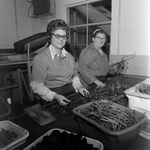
[(55, 25)]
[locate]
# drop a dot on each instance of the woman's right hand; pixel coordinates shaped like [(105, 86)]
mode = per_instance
[(61, 100), (99, 84)]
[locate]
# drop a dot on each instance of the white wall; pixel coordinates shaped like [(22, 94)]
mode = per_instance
[(133, 36), (14, 22), (59, 11)]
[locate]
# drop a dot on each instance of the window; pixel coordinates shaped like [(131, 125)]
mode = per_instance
[(83, 19)]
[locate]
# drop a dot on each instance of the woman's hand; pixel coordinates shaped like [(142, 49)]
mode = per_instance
[(84, 92), (61, 100), (99, 84)]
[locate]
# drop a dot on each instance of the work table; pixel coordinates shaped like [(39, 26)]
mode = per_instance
[(66, 120)]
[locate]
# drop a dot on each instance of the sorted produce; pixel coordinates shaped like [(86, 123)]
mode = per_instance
[(7, 137), (121, 66), (109, 116), (63, 141), (143, 88), (114, 93)]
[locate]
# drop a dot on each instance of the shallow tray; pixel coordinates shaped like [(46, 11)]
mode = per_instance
[(95, 143), (20, 132)]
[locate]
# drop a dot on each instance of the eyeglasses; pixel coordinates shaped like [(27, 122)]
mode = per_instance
[(99, 38), (58, 37)]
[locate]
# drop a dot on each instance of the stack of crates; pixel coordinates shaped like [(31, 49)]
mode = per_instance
[(140, 102)]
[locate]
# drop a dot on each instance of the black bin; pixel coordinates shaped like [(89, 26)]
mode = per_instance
[(19, 45)]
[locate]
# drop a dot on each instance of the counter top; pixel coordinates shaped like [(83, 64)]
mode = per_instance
[(65, 119)]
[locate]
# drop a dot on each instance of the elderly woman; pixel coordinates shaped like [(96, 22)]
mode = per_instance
[(93, 62), (53, 74)]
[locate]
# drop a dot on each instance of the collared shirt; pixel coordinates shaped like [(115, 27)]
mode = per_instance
[(50, 70), (54, 52)]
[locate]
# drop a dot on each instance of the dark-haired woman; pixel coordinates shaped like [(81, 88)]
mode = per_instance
[(53, 74), (93, 62)]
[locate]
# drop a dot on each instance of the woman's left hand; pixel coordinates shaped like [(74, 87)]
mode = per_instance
[(84, 92)]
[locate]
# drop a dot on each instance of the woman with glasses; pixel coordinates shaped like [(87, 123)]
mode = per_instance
[(93, 62), (53, 74)]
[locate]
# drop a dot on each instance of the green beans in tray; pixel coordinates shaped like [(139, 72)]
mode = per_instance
[(110, 116)]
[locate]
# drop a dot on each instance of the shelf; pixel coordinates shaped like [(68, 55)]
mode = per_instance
[(9, 87)]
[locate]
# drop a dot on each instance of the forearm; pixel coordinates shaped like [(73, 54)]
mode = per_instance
[(87, 75), (76, 83), (44, 92)]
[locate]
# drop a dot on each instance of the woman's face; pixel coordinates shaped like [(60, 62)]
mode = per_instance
[(99, 40), (59, 38)]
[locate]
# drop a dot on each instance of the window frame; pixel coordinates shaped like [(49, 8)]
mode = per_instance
[(87, 25)]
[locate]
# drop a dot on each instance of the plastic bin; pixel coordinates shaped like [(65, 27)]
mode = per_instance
[(21, 135), (111, 140), (95, 143), (4, 109), (137, 99)]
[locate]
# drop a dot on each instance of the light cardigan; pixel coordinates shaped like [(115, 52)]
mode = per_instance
[(51, 70)]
